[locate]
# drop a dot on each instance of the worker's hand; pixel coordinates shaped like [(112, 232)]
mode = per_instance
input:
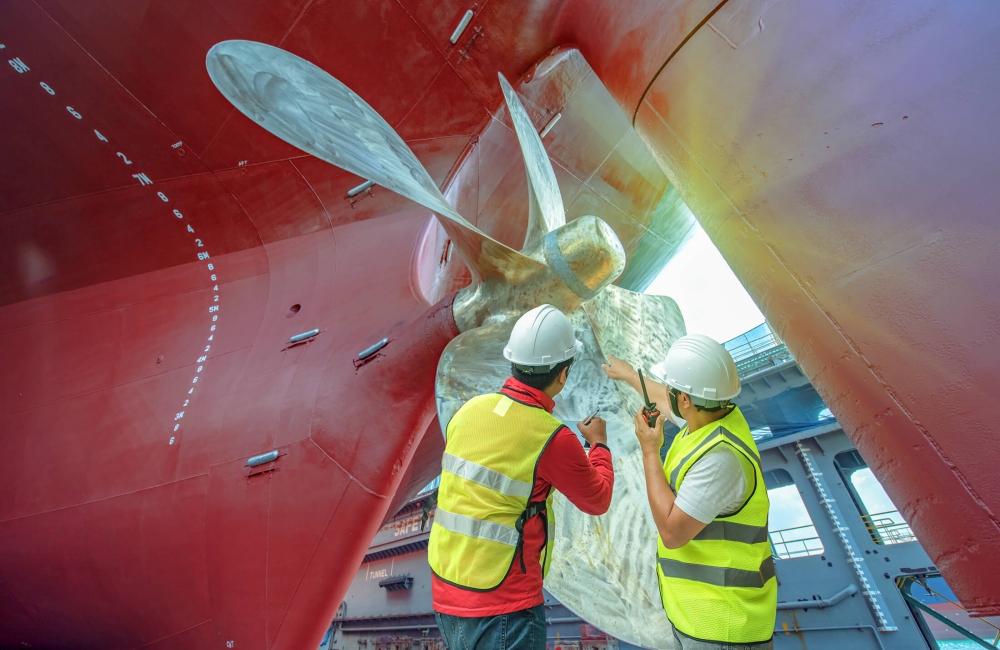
[(618, 369), (650, 439), (595, 432)]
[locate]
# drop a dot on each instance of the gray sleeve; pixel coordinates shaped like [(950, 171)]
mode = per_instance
[(714, 485)]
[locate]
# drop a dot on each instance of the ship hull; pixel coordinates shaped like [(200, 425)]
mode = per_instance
[(160, 249)]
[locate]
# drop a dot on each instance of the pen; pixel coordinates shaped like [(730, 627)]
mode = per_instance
[(586, 443)]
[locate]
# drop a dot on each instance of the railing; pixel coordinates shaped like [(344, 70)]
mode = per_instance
[(800, 541), (745, 348), (888, 528), (906, 583), (751, 355)]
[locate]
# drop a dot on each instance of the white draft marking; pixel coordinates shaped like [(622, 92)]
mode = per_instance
[(21, 67)]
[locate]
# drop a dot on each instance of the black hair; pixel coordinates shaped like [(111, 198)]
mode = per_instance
[(540, 380)]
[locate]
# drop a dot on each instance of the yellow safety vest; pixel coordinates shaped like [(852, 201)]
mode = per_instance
[(488, 474), (721, 587)]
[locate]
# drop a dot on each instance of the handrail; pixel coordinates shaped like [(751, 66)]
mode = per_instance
[(902, 581), (886, 530), (748, 348), (785, 552), (952, 624)]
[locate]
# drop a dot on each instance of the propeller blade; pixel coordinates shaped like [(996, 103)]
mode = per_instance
[(635, 327), (545, 204), (310, 109), (604, 568), (471, 364)]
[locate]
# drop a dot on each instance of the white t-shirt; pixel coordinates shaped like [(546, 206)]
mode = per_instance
[(715, 485)]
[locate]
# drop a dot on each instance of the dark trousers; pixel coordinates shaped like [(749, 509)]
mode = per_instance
[(523, 630)]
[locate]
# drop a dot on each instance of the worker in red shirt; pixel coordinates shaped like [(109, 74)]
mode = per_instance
[(491, 542)]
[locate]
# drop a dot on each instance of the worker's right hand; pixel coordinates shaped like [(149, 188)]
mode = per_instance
[(618, 369), (595, 432), (650, 437)]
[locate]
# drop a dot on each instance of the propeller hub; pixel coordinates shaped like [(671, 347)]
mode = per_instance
[(585, 254)]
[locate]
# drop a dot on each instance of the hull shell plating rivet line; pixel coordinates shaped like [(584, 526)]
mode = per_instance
[(369, 351), (354, 191), (303, 336), (457, 34), (270, 456)]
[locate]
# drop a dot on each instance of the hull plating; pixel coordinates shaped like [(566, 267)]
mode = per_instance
[(874, 258)]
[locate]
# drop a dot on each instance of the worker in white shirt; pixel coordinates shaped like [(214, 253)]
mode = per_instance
[(708, 500)]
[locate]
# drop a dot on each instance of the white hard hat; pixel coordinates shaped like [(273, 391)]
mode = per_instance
[(700, 367), (542, 338)]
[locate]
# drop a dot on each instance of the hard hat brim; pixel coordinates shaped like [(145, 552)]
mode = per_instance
[(659, 372), (577, 348)]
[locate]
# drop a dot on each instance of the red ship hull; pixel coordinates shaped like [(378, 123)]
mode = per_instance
[(159, 249)]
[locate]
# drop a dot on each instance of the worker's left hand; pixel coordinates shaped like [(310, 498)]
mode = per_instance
[(618, 369), (650, 439)]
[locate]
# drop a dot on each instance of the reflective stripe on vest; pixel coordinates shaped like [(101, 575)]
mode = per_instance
[(485, 476), (477, 528), (733, 532), (721, 586), (717, 575)]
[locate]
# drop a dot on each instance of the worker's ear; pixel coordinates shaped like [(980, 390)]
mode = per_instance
[(564, 376)]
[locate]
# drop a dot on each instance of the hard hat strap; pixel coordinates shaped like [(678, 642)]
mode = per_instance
[(705, 404), (700, 403), (535, 370), (672, 393)]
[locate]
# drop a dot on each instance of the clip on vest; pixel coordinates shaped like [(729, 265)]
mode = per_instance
[(537, 508)]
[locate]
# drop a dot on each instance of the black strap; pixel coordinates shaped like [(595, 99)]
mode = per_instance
[(429, 503), (537, 508)]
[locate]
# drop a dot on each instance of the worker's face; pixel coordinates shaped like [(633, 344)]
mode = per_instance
[(685, 407)]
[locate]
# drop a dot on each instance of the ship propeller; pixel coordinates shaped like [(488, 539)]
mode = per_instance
[(603, 568)]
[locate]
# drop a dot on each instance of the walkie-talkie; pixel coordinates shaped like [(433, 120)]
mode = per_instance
[(649, 411)]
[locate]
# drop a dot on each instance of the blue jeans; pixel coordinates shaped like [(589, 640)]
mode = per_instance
[(523, 630)]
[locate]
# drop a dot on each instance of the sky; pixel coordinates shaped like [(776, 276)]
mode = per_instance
[(787, 509), (697, 271), (873, 494)]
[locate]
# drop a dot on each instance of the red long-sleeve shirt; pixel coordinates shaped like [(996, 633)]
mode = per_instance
[(587, 481)]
